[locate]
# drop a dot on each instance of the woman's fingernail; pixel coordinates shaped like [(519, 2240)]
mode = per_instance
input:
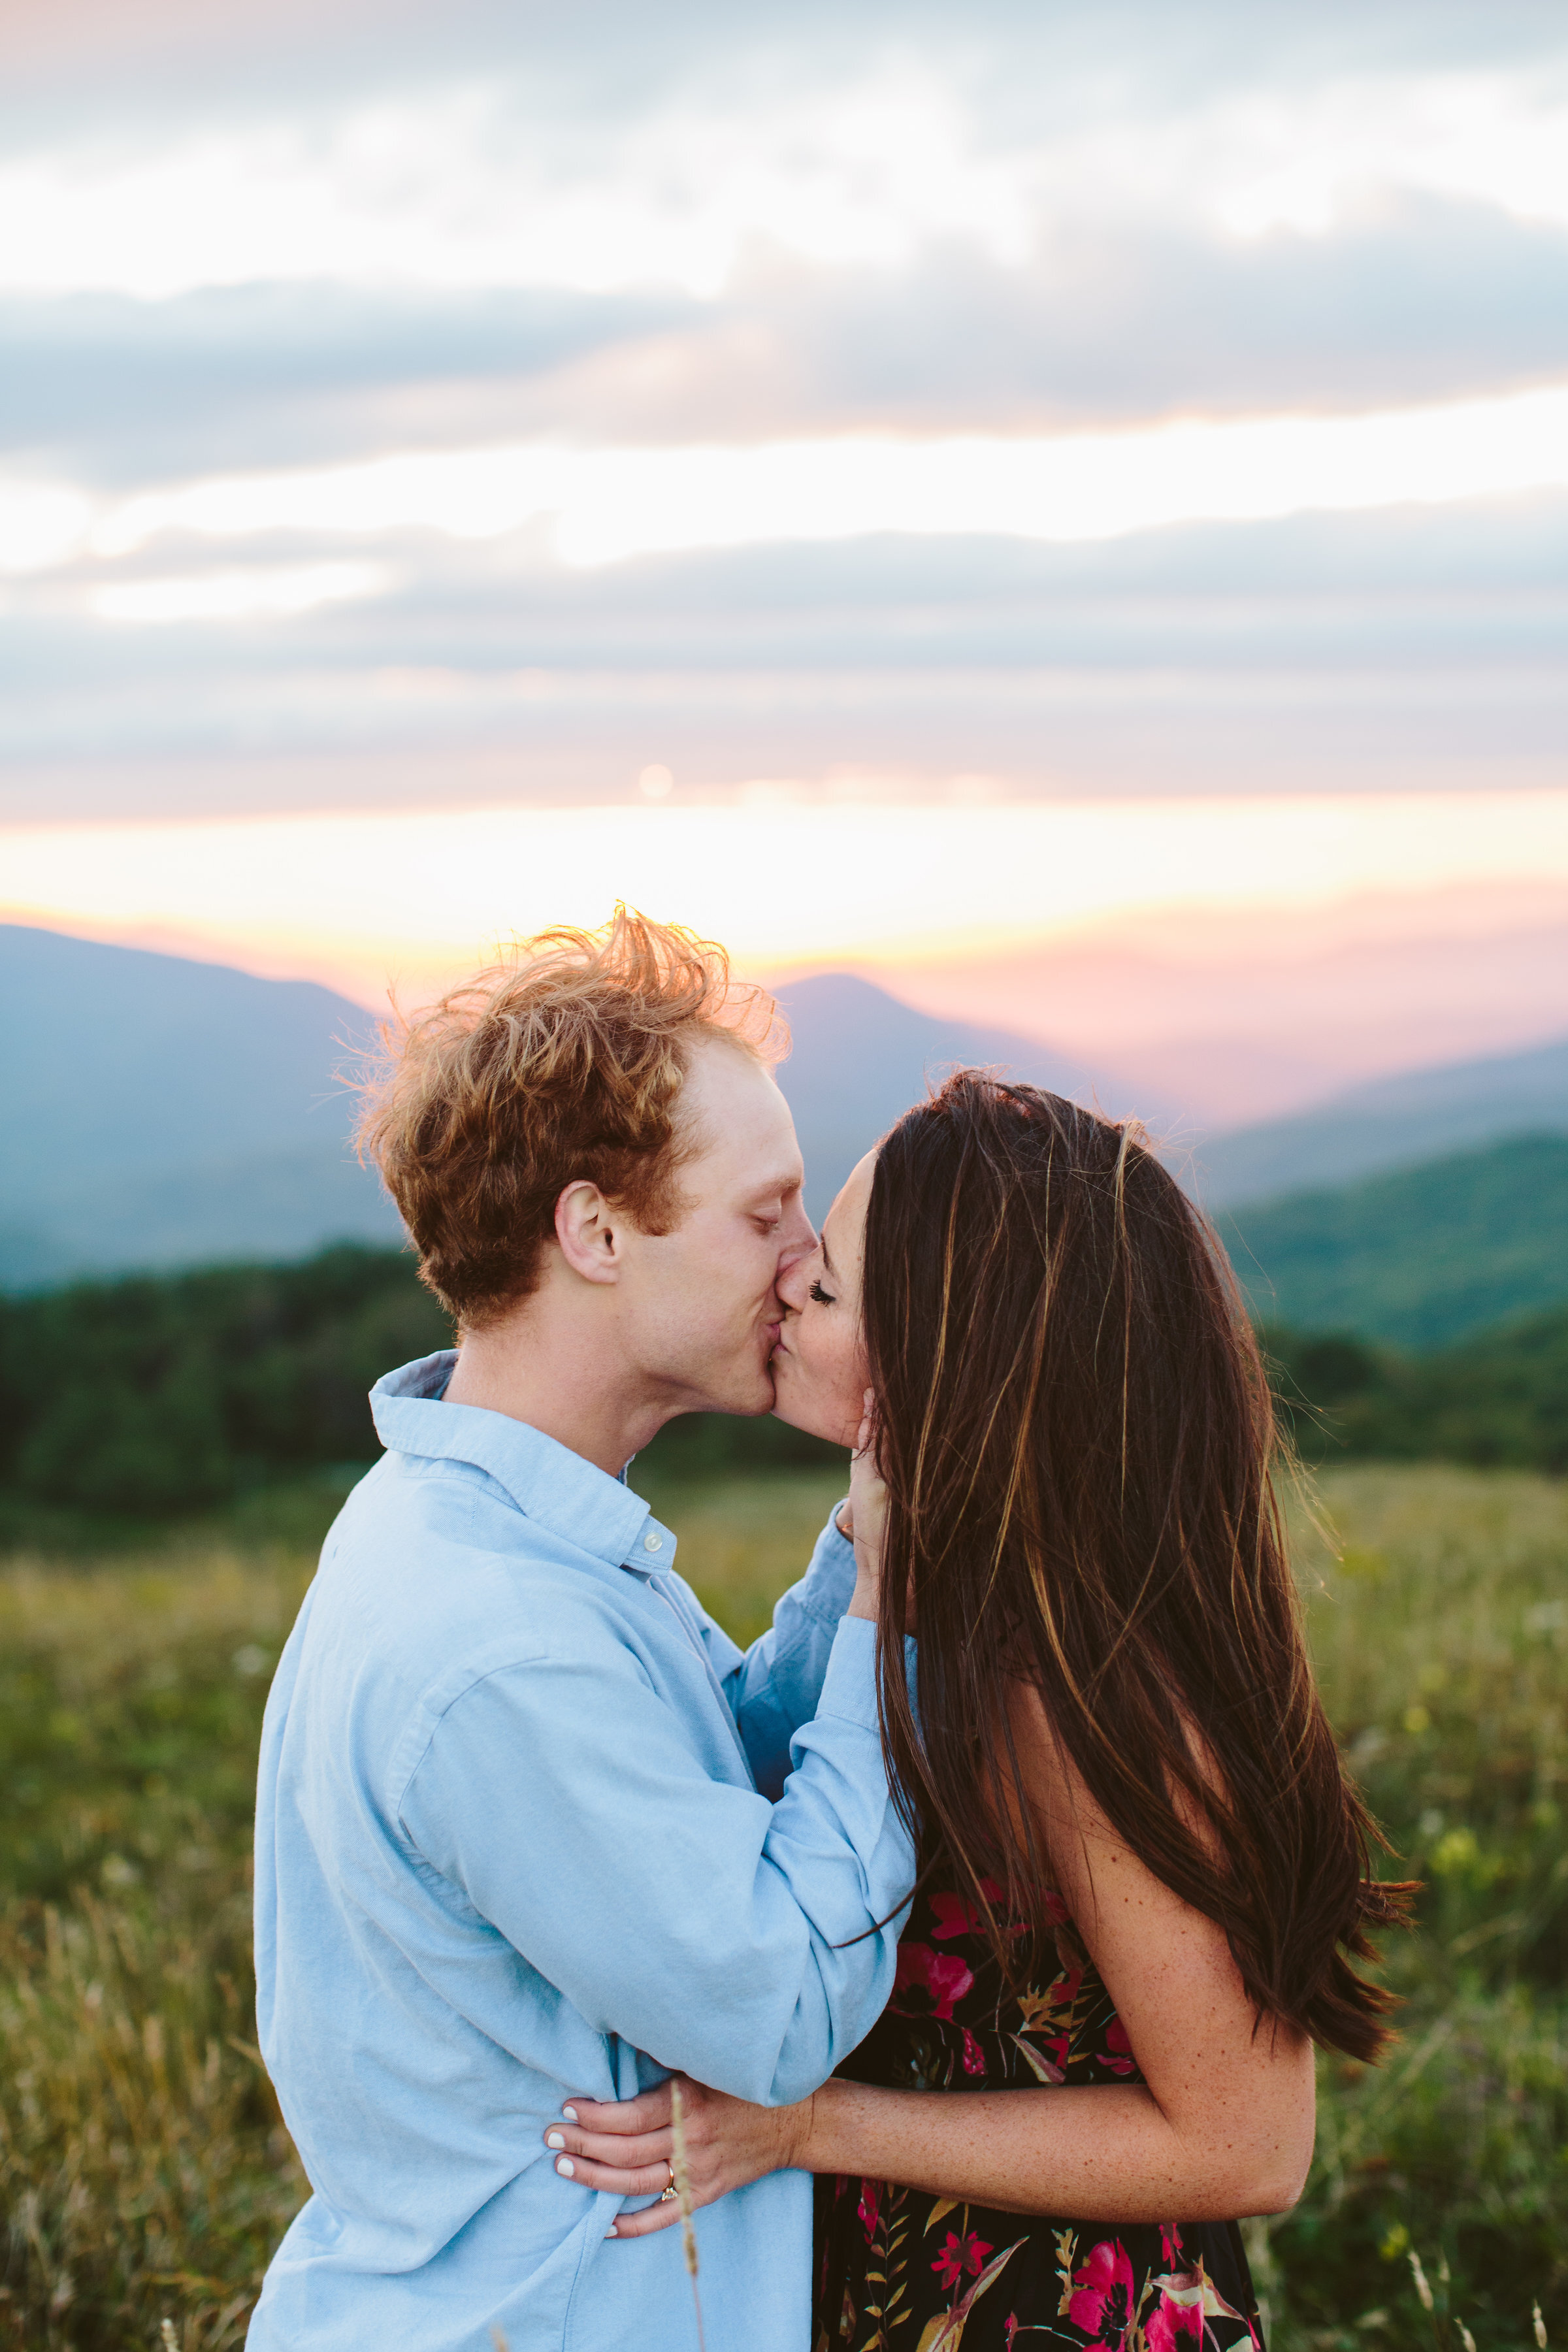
[(570, 2114), (610, 2232), (564, 2166), (553, 2139)]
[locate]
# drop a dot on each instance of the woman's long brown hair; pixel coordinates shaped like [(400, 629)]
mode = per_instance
[(1079, 1445)]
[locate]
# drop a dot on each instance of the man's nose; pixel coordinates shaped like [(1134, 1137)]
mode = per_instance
[(797, 1239)]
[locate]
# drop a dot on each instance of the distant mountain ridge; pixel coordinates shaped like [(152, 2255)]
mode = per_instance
[(162, 1112), (1393, 1122), (860, 1057), (165, 1112)]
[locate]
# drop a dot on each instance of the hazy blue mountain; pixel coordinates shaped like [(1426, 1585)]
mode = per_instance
[(162, 1112), (860, 1058), (1419, 1257), (165, 1113), (1393, 1122)]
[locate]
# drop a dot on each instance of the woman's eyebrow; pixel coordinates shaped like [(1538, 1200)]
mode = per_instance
[(827, 1259)]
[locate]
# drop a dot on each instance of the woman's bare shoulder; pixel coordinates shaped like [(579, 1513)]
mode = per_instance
[(1090, 1859)]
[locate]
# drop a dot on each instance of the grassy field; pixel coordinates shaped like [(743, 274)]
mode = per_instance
[(143, 2171)]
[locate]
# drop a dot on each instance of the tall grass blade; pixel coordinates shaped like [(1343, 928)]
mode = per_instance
[(683, 2194)]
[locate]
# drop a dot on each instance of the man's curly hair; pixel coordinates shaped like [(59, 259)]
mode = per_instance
[(564, 1061)]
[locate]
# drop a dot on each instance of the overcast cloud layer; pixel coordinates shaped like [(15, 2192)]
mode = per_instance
[(271, 247)]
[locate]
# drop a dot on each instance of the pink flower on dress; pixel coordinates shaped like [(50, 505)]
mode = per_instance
[(928, 1983), (961, 2255), (1103, 2305), (957, 1917), (997, 1894), (1118, 2051), (1176, 2323), (973, 2056), (870, 2197), (1170, 2244)]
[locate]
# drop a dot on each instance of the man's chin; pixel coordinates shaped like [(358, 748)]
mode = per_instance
[(747, 1406)]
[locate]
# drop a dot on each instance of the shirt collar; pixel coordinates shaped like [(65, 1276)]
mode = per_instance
[(571, 1496)]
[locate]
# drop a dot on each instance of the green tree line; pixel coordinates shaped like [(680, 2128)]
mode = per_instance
[(1499, 1399), (154, 1395), (157, 1394)]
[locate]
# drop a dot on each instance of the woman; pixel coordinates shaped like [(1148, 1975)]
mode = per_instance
[(1143, 1869)]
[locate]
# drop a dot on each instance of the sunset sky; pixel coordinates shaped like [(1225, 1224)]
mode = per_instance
[(1064, 509)]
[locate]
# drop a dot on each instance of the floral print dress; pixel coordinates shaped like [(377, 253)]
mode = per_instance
[(899, 2270)]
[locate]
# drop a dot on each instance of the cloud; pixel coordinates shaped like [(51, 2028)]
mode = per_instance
[(1392, 651), (1418, 301), (630, 246), (1413, 299), (235, 595), (579, 167), (116, 390), (598, 506), (619, 50)]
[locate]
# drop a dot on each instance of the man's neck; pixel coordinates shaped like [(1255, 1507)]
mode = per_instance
[(561, 1379)]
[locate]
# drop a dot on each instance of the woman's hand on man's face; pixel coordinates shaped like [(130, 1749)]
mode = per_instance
[(868, 1512), (627, 2146)]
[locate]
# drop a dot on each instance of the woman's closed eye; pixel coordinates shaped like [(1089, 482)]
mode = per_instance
[(823, 1298)]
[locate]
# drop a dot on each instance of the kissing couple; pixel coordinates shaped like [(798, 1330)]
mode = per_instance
[(984, 1912)]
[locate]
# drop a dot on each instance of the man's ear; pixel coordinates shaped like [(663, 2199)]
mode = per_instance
[(588, 1231)]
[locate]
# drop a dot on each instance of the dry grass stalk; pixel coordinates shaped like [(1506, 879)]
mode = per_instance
[(683, 2194)]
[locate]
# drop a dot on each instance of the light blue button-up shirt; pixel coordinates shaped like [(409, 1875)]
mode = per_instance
[(523, 1829)]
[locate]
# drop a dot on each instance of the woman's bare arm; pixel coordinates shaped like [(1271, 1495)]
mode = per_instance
[(1223, 2123), (1105, 2154), (1221, 2126)]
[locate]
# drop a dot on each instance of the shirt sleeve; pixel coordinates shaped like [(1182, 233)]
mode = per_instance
[(751, 1945), (775, 1685)]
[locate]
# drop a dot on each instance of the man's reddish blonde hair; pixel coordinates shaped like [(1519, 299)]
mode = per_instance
[(563, 1062)]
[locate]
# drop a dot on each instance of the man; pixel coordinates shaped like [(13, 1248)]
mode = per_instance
[(524, 1827)]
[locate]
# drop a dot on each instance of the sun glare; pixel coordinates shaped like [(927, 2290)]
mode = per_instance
[(366, 898)]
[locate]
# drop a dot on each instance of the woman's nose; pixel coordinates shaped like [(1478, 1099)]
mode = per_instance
[(790, 1281)]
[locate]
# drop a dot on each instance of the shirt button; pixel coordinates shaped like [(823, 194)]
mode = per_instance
[(652, 1543)]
